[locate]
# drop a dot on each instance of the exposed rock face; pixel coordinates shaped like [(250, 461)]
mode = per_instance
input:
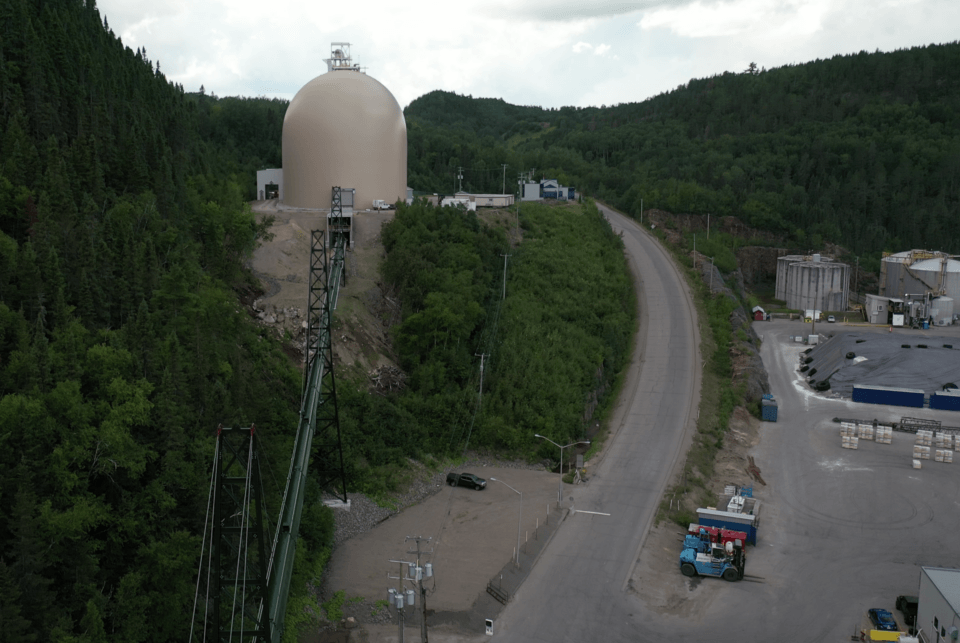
[(747, 365)]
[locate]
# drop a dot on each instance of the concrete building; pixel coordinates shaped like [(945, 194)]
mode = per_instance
[(812, 281), (938, 610), (343, 128), (269, 182)]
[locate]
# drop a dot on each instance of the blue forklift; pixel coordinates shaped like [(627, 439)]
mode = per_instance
[(703, 557)]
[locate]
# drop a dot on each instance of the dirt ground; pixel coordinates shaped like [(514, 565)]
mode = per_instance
[(656, 579), (364, 313)]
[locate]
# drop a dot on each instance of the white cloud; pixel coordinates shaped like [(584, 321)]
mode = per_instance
[(524, 51)]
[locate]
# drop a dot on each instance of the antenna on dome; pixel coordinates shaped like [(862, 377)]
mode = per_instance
[(340, 59)]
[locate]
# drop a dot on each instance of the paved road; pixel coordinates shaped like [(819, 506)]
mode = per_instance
[(577, 591)]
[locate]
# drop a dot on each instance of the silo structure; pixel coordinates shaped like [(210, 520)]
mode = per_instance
[(918, 273), (345, 129), (813, 283)]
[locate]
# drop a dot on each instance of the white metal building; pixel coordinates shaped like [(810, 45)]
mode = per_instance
[(531, 192), (938, 610), (266, 179), (487, 200)]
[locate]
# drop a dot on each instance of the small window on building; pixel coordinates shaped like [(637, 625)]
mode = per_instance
[(943, 632), (936, 623)]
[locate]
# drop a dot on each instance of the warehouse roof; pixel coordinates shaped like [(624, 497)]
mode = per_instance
[(947, 582)]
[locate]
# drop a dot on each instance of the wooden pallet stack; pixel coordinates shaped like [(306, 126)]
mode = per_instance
[(884, 434), (850, 442)]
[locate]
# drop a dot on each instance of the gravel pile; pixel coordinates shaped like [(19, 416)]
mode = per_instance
[(365, 514)]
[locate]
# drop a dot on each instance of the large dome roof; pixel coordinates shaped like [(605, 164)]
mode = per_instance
[(344, 129)]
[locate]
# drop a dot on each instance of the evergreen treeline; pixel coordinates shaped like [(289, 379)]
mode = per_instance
[(123, 345), (862, 150)]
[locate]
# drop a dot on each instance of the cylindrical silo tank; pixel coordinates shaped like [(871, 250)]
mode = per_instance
[(941, 273), (344, 129), (807, 284), (783, 270)]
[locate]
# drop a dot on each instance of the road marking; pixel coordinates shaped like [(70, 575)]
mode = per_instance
[(581, 511)]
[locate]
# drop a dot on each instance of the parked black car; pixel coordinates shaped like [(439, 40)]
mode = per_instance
[(908, 605), (466, 480)]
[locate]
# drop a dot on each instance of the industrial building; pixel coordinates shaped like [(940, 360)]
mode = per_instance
[(813, 282), (917, 287), (546, 189), (270, 184), (938, 609), (915, 273), (343, 130)]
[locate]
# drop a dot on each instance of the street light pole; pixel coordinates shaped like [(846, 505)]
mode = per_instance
[(519, 516), (560, 484)]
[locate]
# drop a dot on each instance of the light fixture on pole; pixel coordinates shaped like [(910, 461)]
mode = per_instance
[(560, 485), (519, 516)]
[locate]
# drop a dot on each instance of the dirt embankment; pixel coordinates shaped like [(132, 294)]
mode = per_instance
[(365, 310)]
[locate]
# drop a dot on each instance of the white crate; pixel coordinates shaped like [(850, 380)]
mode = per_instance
[(916, 464), (944, 455), (866, 432)]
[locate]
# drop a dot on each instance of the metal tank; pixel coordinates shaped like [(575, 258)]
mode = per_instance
[(346, 129), (813, 283), (917, 273)]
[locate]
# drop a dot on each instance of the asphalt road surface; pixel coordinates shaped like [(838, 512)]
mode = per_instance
[(577, 591)]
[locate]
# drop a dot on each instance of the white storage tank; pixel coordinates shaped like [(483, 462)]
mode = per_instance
[(813, 282), (345, 129), (918, 272)]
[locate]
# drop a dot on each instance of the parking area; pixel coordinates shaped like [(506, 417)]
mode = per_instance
[(842, 530)]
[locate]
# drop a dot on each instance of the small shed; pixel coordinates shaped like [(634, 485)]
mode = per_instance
[(759, 314)]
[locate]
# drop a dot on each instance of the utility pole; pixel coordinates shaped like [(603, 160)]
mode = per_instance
[(856, 281), (641, 212), (505, 275), (711, 275), (503, 182), (460, 177), (399, 598), (694, 250), (708, 226), (421, 572), (482, 356)]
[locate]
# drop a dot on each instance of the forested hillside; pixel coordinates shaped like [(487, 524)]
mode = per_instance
[(554, 333), (123, 230), (861, 150)]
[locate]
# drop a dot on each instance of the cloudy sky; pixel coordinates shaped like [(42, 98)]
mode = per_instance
[(528, 52)]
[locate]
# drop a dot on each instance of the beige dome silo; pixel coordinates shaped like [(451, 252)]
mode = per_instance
[(344, 129)]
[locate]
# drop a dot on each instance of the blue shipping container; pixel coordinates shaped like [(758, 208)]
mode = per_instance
[(768, 412), (945, 400), (888, 395)]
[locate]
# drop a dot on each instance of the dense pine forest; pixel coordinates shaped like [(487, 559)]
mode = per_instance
[(123, 231), (861, 150)]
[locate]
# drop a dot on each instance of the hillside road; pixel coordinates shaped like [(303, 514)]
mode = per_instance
[(578, 590)]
